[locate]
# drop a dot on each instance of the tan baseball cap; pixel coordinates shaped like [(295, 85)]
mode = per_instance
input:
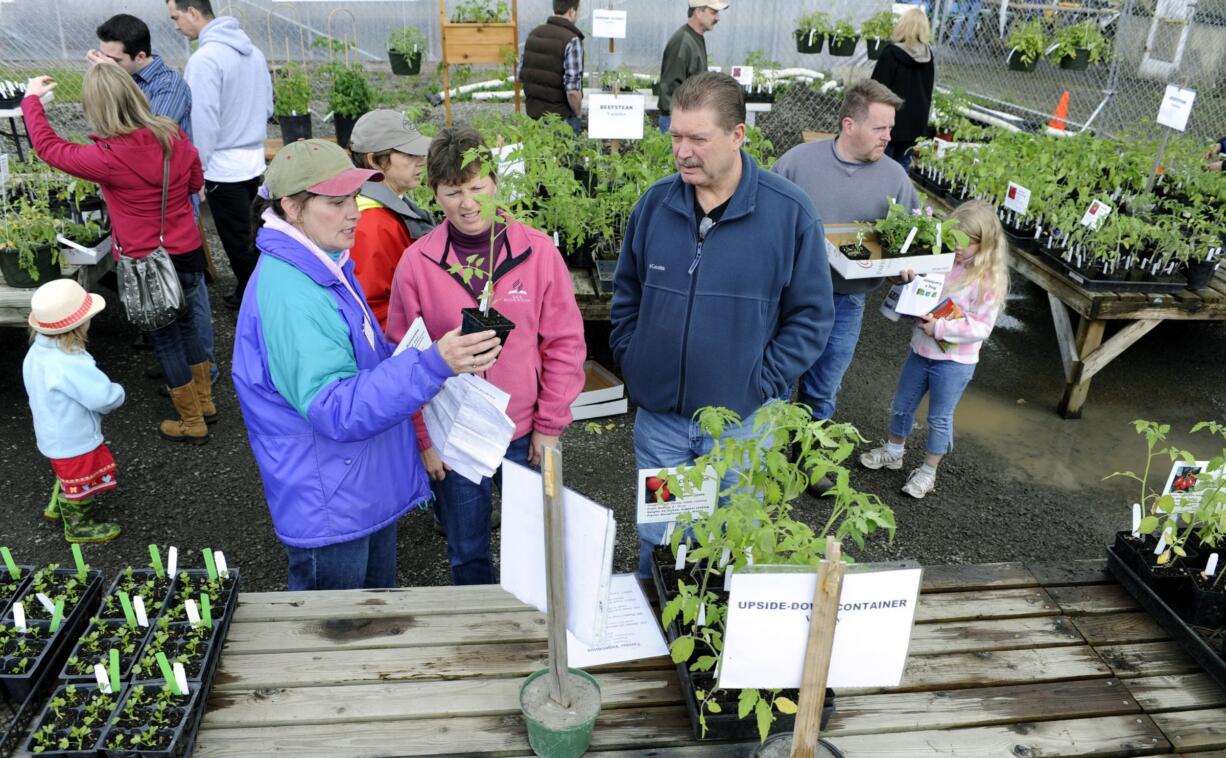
[(387, 130), (713, 4), (316, 165)]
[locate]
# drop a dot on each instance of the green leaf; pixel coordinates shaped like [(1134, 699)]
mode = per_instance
[(764, 715), (1148, 524), (682, 649), (745, 702), (704, 663), (713, 706), (785, 705)]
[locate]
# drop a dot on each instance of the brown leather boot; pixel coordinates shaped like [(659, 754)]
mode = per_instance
[(190, 427), (202, 385)]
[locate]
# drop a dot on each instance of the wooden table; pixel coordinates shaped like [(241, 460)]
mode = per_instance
[(593, 304), (1005, 660)]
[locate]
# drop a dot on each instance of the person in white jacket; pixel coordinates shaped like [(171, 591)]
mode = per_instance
[(231, 104), (68, 396)]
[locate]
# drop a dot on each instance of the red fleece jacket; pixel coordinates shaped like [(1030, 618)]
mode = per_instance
[(128, 168)]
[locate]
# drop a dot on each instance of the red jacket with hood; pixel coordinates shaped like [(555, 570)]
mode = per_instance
[(128, 168)]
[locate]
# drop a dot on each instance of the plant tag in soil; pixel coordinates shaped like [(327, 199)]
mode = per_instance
[(172, 560), (680, 564), (168, 674), (128, 613), (668, 533), (155, 558), (113, 655), (1017, 198), (725, 556), (104, 680), (1095, 214), (57, 616), (219, 559), (19, 616), (1211, 565), (728, 579), (138, 606), (79, 560), (180, 677), (906, 244), (9, 563), (749, 555), (1136, 519), (206, 610), (702, 615), (1161, 543), (209, 565), (46, 601), (193, 615)]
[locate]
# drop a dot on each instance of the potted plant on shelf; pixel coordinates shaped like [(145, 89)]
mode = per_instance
[(1026, 43), (292, 102), (811, 31), (1078, 45), (405, 48), (843, 38), (933, 233), (877, 30), (350, 97), (29, 255)]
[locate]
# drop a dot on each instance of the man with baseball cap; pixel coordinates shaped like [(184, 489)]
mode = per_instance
[(686, 52), (386, 141)]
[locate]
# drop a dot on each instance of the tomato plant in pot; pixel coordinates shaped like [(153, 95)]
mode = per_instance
[(842, 38), (1026, 42), (405, 48), (349, 98), (754, 526), (29, 255), (906, 232), (73, 722), (811, 31), (877, 30), (292, 102), (1078, 45)]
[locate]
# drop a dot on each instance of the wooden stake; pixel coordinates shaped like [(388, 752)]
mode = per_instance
[(555, 576), (824, 616)]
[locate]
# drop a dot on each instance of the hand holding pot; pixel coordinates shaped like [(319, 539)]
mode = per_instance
[(469, 353), (39, 86)]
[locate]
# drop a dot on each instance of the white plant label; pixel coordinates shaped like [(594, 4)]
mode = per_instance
[(46, 601), (180, 677), (1095, 214), (172, 561), (1136, 519), (1017, 198), (193, 614), (1211, 565), (1161, 543), (557, 242), (725, 556), (607, 24), (702, 615), (138, 607), (749, 556), (104, 679), (1176, 107), (680, 564), (219, 562), (743, 75), (4, 170), (615, 116), (906, 244), (728, 579), (715, 69), (19, 616), (668, 533)]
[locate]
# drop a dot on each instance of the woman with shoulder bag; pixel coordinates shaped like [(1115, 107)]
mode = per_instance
[(148, 171)]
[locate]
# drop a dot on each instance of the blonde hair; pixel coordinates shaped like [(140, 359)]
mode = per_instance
[(989, 269), (911, 28), (114, 106), (71, 341)]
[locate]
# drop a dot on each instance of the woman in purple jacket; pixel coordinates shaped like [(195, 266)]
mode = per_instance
[(327, 405)]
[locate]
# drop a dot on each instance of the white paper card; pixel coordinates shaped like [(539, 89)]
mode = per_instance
[(469, 426), (1095, 214), (658, 503), (417, 338), (589, 533), (871, 639), (607, 24), (138, 607), (104, 679), (172, 561), (915, 298), (193, 613), (19, 616), (615, 116), (46, 602), (1176, 107), (1017, 198), (743, 75), (631, 631)]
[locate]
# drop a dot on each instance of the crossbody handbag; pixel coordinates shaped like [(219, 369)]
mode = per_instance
[(149, 287)]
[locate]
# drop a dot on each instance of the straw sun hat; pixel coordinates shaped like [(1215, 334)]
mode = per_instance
[(61, 306)]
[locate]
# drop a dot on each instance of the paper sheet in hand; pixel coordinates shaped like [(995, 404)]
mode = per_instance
[(469, 425), (631, 634), (417, 338), (588, 534)]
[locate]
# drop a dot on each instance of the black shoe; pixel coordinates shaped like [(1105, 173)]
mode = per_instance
[(439, 529), (232, 301), (820, 487)]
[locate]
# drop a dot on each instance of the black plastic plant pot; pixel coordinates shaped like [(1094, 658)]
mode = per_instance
[(19, 684), (294, 128), (171, 740), (1200, 606), (405, 64), (70, 715), (221, 606), (82, 672), (154, 598), (855, 253), (1199, 274), (474, 321), (759, 97), (20, 668), (1080, 61), (10, 588), (196, 667), (604, 274), (845, 48), (1017, 64), (874, 47), (809, 44), (16, 276), (344, 127)]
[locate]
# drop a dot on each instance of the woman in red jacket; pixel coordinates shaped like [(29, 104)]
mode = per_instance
[(125, 158)]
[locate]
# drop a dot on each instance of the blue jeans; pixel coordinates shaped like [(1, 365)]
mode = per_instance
[(944, 381), (966, 14), (575, 123), (665, 440), (364, 563), (465, 508), (177, 345), (819, 386), (202, 319), (901, 152), (665, 121)]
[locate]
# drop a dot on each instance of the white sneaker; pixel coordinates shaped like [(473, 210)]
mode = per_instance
[(880, 457), (919, 483)]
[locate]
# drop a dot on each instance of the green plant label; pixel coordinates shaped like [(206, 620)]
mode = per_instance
[(82, 569), (128, 613), (114, 669), (155, 558), (168, 674), (57, 616), (9, 563), (206, 610), (208, 562)]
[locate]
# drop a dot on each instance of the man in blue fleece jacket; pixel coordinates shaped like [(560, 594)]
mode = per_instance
[(231, 104), (722, 293)]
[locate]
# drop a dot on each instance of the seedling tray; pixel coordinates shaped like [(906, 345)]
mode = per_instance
[(17, 716), (1180, 631), (125, 672), (1094, 283), (151, 603), (222, 615), (19, 686), (6, 601), (184, 743), (45, 716)]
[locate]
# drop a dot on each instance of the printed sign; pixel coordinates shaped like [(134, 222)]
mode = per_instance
[(768, 626), (1176, 107), (1188, 482), (743, 75), (1017, 198), (659, 504), (1095, 214), (615, 116), (607, 24)]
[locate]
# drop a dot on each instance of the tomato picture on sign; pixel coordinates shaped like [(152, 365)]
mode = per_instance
[(657, 491)]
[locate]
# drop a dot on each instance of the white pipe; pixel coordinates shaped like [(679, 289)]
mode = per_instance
[(494, 95), (489, 84)]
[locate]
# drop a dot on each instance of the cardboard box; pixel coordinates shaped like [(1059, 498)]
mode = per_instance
[(877, 265), (816, 136), (603, 394), (599, 410), (79, 255)]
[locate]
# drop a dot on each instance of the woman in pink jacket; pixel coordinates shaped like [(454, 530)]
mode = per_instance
[(541, 364)]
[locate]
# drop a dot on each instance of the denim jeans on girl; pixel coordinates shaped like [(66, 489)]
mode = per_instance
[(464, 509), (177, 345), (944, 381), (364, 563), (820, 385)]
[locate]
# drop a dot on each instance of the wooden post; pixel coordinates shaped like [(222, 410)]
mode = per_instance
[(442, 25), (555, 576), (825, 613), (1089, 337)]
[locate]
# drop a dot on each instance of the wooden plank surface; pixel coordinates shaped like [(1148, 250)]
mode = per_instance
[(1194, 730), (1106, 598), (982, 576), (1001, 667), (993, 634), (1174, 692), (374, 604), (966, 606), (1117, 628), (1147, 659), (1086, 571)]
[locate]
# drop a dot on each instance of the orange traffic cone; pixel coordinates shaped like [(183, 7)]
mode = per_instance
[(1057, 120)]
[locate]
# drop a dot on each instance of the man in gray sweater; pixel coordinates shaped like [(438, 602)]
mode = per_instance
[(848, 181), (686, 53)]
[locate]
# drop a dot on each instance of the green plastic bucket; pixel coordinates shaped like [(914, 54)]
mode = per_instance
[(569, 741)]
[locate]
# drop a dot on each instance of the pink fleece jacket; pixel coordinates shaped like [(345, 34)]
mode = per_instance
[(964, 335), (541, 364)]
